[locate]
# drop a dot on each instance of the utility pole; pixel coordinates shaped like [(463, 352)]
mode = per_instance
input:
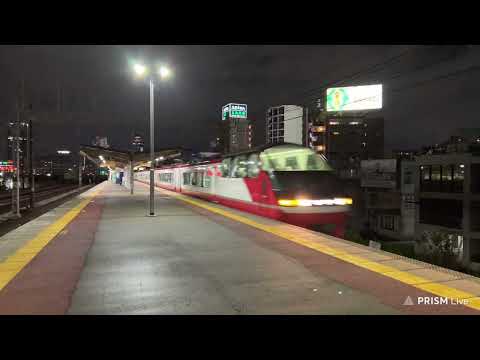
[(17, 153), (307, 127), (21, 123), (13, 133), (132, 180), (80, 171), (30, 164)]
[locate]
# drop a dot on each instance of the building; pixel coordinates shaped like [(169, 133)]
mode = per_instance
[(347, 127), (101, 142), (404, 154), (449, 201), (389, 197), (463, 140), (21, 130), (235, 129), (285, 123), (346, 141), (61, 166), (138, 145)]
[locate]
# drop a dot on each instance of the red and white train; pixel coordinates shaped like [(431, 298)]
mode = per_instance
[(286, 182)]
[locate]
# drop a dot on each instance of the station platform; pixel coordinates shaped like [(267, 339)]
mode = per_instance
[(100, 254)]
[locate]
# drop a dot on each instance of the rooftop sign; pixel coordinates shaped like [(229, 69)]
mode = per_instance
[(234, 111)]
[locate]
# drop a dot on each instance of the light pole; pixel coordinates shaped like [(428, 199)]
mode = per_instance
[(164, 72), (152, 152)]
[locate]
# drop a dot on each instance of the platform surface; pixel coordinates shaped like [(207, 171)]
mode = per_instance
[(100, 254)]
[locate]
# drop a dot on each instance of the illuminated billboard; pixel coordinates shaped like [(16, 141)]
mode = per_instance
[(234, 111), (354, 98)]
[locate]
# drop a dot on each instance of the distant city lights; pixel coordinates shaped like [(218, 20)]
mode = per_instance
[(63, 152)]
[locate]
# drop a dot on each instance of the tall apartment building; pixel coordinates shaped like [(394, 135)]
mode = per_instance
[(347, 140), (449, 200), (235, 129), (101, 141), (285, 123), (138, 144)]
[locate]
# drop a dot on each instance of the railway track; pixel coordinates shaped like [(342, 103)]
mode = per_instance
[(40, 194)]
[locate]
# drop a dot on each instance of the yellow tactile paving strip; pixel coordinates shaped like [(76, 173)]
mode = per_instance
[(14, 263), (356, 257)]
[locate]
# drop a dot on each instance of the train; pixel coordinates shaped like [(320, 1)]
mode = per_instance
[(285, 182)]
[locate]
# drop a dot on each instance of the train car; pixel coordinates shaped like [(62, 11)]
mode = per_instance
[(286, 182)]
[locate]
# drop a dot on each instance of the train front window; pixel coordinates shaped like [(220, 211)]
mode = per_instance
[(291, 163), (239, 168), (293, 158), (253, 167)]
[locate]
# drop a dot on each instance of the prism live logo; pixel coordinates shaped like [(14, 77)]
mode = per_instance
[(434, 300), (408, 301)]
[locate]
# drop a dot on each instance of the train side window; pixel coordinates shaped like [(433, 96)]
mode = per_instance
[(194, 178), (186, 178), (239, 168), (200, 178), (207, 181), (253, 168), (225, 167)]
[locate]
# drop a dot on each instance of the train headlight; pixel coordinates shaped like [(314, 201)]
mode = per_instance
[(307, 202), (283, 202), (295, 202), (343, 201)]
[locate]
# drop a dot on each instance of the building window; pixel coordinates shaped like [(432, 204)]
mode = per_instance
[(275, 111), (436, 178), (424, 178), (408, 178), (458, 178), (475, 216), (387, 222), (441, 178), (447, 178), (475, 178), (280, 119), (441, 212), (281, 110)]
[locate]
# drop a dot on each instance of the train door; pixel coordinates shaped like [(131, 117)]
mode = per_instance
[(179, 179)]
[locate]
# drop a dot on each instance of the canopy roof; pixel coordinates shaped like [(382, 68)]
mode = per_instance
[(113, 158)]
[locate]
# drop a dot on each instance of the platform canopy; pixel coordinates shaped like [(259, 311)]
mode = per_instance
[(111, 158)]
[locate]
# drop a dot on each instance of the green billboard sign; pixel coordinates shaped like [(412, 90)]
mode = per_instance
[(234, 111)]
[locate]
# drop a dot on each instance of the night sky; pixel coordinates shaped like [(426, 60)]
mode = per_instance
[(101, 97)]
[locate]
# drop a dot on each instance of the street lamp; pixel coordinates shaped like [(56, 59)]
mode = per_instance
[(164, 72)]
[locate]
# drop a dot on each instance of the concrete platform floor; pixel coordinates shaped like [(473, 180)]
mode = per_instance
[(113, 259), (184, 262)]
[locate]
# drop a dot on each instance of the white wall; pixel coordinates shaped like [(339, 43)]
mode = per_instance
[(293, 117)]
